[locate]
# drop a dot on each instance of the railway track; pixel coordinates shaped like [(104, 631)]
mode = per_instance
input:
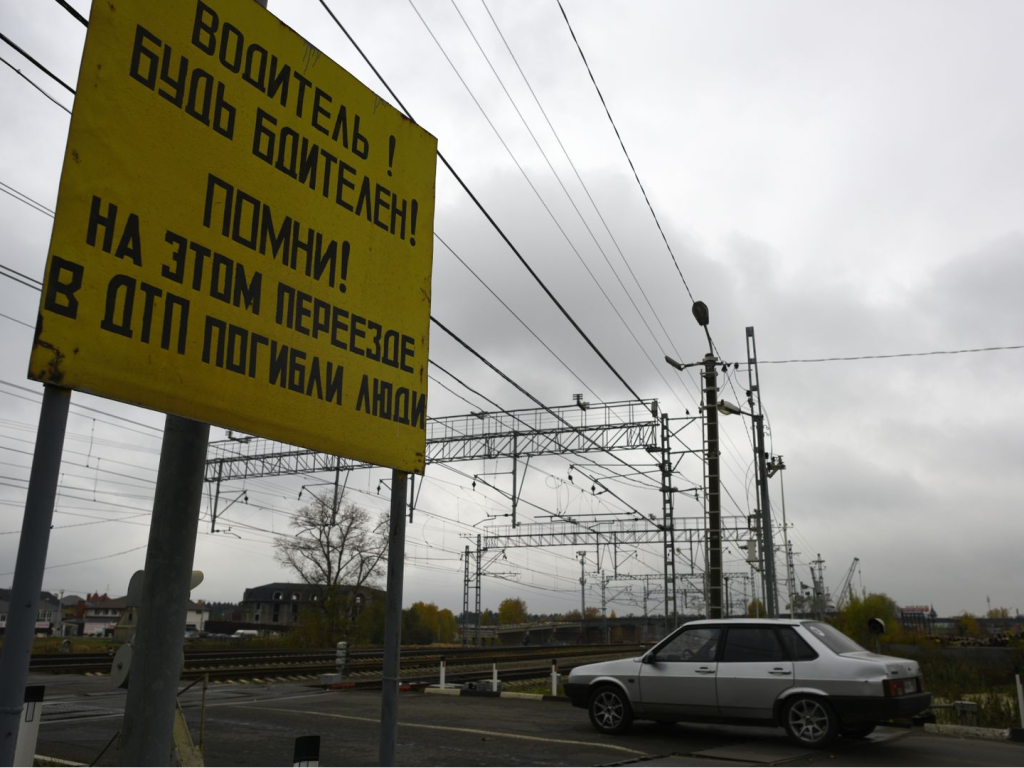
[(419, 665)]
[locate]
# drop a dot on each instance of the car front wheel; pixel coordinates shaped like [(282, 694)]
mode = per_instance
[(810, 722), (609, 710)]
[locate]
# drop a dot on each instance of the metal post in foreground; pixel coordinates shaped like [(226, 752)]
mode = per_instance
[(442, 673), (554, 677), (494, 676), (30, 565), (714, 539), (393, 621), (160, 636)]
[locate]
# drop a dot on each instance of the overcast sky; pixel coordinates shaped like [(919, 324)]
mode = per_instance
[(846, 179)]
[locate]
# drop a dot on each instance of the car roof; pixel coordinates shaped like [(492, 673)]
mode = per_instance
[(717, 622)]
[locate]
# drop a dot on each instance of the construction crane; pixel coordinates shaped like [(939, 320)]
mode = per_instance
[(846, 587)]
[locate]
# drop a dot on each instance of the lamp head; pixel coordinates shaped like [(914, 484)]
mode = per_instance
[(700, 313)]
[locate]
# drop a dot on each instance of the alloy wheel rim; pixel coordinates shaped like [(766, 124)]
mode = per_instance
[(608, 709), (808, 720)]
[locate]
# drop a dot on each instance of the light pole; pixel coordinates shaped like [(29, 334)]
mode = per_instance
[(714, 483), (765, 517), (776, 464)]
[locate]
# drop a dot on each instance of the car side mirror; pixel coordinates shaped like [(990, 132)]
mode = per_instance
[(649, 658)]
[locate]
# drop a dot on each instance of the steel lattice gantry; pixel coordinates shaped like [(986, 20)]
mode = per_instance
[(519, 434)]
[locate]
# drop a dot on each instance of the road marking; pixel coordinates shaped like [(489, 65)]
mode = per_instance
[(473, 731)]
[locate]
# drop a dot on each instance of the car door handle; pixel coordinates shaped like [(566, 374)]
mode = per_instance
[(780, 672), (704, 671)]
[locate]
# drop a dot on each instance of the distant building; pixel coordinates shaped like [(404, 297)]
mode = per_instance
[(102, 613), (278, 606), (196, 616), (918, 618), (48, 615)]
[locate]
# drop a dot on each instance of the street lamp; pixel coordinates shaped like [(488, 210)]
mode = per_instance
[(714, 498), (767, 549)]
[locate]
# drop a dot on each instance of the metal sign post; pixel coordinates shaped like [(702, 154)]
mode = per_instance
[(160, 637), (393, 621), (30, 565)]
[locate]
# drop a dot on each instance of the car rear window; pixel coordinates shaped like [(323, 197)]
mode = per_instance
[(835, 640), (796, 646)]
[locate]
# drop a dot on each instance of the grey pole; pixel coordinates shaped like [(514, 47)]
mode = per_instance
[(583, 595), (30, 565), (771, 606), (714, 490), (160, 636), (768, 549), (785, 540), (393, 621)]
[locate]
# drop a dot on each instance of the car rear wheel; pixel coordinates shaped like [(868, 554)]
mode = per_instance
[(609, 710), (810, 722), (857, 731)]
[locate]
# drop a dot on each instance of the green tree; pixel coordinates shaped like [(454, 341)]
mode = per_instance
[(998, 613), (755, 608), (853, 619), (446, 626), (512, 611), (968, 625), (488, 618), (337, 549)]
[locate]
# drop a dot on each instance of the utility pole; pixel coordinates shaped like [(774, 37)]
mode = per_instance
[(791, 575), (583, 594), (777, 465), (713, 481), (768, 548), (818, 579), (479, 574), (604, 607), (465, 595), (714, 485)]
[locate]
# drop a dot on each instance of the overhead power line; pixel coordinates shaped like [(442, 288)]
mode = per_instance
[(43, 69), (31, 82), (483, 210), (33, 201), (625, 152), (890, 357), (67, 7)]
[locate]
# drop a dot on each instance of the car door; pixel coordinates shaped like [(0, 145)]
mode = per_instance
[(679, 679), (753, 670)]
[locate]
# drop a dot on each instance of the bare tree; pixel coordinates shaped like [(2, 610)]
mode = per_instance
[(337, 549)]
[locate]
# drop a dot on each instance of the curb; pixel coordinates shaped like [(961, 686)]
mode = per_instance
[(492, 695), (968, 732), (44, 760)]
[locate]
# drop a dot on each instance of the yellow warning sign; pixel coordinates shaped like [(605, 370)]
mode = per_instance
[(244, 235)]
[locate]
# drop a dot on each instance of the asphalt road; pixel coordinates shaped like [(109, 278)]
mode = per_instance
[(257, 725)]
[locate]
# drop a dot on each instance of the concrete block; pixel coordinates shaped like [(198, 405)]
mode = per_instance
[(968, 731), (333, 678)]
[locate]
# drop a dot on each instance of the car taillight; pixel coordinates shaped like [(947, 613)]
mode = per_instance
[(893, 688)]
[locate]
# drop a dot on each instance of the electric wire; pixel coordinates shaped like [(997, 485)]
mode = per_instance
[(624, 151), (29, 80), (486, 213), (544, 204), (67, 7), (43, 69), (579, 178)]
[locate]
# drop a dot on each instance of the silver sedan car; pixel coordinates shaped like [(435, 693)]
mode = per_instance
[(806, 676)]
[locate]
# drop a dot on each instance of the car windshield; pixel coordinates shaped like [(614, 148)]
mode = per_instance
[(836, 641)]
